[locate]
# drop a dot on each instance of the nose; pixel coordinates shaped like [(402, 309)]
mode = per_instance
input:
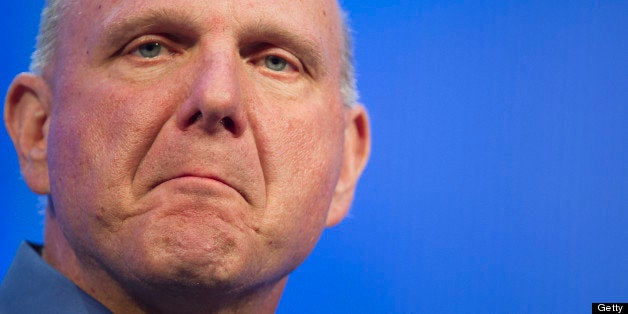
[(214, 103)]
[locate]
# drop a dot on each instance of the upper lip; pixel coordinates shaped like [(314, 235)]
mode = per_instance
[(204, 176)]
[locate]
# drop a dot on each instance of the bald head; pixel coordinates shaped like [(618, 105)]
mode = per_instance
[(192, 152)]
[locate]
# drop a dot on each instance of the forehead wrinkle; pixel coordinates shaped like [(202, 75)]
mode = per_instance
[(125, 21)]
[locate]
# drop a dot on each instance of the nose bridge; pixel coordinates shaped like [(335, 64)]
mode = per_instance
[(214, 100), (217, 81)]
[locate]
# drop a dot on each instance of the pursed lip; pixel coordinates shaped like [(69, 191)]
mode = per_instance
[(200, 176), (193, 175)]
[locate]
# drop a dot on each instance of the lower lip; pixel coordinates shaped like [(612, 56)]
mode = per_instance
[(196, 185)]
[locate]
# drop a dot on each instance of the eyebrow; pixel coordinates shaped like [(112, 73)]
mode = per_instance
[(120, 28)]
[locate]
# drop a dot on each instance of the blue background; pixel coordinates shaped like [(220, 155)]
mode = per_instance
[(498, 180)]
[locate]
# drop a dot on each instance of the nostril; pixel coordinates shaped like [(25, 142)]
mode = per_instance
[(197, 116), (210, 124), (228, 124)]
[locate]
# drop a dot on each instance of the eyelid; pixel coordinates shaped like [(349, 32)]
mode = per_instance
[(165, 43), (292, 61)]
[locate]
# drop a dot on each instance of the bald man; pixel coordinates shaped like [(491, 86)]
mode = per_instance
[(191, 152)]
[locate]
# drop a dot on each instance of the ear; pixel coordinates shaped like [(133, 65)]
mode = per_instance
[(26, 117), (357, 148)]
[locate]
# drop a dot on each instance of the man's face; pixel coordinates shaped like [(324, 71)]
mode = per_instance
[(196, 140)]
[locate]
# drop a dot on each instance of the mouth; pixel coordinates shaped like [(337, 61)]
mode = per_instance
[(200, 182)]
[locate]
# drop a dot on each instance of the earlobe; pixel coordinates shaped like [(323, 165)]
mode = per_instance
[(26, 117), (356, 152)]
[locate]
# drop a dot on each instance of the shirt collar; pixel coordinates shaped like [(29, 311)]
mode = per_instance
[(33, 286)]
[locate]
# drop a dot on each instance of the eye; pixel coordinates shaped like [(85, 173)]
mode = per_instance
[(275, 63), (149, 50)]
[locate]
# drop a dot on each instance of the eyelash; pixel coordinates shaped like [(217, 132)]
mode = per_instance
[(293, 65), (133, 48)]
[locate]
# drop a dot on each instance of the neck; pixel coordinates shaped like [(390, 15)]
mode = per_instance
[(93, 278)]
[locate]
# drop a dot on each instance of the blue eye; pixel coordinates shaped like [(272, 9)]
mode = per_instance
[(149, 50), (275, 63)]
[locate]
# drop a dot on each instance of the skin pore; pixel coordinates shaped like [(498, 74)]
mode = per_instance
[(193, 152)]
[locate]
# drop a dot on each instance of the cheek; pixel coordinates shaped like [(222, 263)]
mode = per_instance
[(300, 147), (299, 134), (98, 135), (305, 165)]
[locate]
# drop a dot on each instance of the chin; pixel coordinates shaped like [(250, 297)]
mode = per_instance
[(195, 255)]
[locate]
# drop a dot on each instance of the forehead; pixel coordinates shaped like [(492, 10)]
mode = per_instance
[(318, 19), (89, 30)]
